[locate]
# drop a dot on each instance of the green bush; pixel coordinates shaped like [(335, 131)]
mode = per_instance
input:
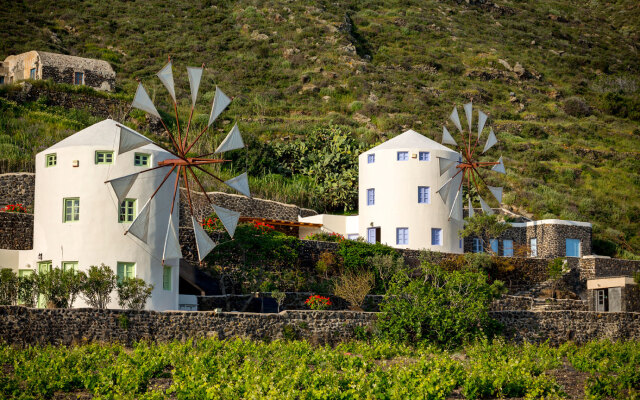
[(355, 254), (59, 288), (99, 283), (9, 285), (133, 293), (576, 107)]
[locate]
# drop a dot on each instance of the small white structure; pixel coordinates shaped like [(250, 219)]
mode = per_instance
[(398, 204), (78, 223)]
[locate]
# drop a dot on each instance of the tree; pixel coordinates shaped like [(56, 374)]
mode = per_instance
[(99, 284), (485, 227), (279, 297), (133, 293), (8, 287), (386, 265), (354, 287)]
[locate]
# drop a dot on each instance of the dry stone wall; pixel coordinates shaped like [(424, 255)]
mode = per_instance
[(292, 301), (17, 188), (16, 231), (598, 267)]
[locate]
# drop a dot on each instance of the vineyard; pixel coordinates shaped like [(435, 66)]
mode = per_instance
[(237, 369)]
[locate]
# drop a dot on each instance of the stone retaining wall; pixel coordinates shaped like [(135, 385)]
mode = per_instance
[(16, 231), (292, 301), (597, 267), (17, 188)]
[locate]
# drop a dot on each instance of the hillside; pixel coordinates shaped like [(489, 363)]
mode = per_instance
[(559, 80)]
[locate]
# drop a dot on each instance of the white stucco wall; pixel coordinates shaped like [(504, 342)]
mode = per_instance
[(98, 237), (396, 194)]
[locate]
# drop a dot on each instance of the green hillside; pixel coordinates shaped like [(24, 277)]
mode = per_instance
[(558, 78)]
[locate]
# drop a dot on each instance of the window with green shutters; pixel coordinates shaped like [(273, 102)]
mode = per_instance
[(104, 157), (70, 266), (126, 270), (141, 160), (71, 210), (166, 278), (24, 272), (51, 160), (43, 268), (127, 210)]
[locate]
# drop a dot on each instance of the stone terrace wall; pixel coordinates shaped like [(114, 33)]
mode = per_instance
[(17, 188), (16, 231), (293, 301), (602, 267), (23, 326)]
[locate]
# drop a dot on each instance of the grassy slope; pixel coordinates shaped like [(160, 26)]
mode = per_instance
[(425, 57)]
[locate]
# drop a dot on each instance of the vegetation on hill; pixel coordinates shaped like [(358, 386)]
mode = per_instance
[(559, 80)]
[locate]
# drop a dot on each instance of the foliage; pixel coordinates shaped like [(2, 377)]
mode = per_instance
[(317, 302), (133, 293), (326, 237), (447, 308), (576, 107), (355, 254), (27, 290), (59, 288), (485, 227), (354, 286), (8, 287), (14, 208), (279, 297), (386, 267), (99, 283), (555, 269), (211, 224), (326, 262)]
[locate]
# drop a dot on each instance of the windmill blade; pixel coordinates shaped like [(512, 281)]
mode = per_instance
[(195, 75), (220, 102), (143, 102), (140, 226), (497, 192), (130, 140), (499, 167), (491, 140), (471, 212), (456, 120), (122, 185), (233, 141), (445, 164), (447, 138), (443, 191), (171, 243), (229, 218), (166, 77), (468, 110), (482, 119), (485, 207), (204, 244), (456, 207), (240, 183)]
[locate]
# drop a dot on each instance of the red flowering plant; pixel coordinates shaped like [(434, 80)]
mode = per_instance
[(211, 224), (14, 208), (317, 302), (262, 227)]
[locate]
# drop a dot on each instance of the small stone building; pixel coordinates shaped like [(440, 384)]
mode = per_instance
[(60, 68), (616, 293)]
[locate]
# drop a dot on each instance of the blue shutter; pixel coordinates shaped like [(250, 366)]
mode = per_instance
[(507, 248), (424, 156), (371, 197), (371, 158), (436, 236), (403, 155), (494, 245), (573, 247)]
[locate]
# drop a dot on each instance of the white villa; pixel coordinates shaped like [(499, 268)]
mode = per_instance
[(78, 223)]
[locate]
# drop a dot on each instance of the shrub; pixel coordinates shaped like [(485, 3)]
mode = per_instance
[(354, 254), (317, 302), (326, 261), (485, 227), (386, 266), (354, 287), (133, 293), (555, 268), (576, 107), (15, 208), (437, 306), (100, 282), (27, 290), (59, 288), (326, 237), (9, 285)]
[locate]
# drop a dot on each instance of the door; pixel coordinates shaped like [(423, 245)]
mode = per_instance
[(602, 300), (44, 267), (373, 235)]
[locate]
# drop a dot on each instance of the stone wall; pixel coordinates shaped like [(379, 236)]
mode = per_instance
[(17, 188), (91, 78), (292, 301), (24, 326), (598, 267), (16, 231)]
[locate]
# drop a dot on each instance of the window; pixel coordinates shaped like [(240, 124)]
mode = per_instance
[(51, 160), (1, 80), (166, 278), (78, 78), (371, 197), (43, 267), (71, 210), (436, 236), (127, 210), (24, 272), (371, 158), (126, 270), (533, 245), (478, 247), (424, 156), (353, 236), (104, 157), (460, 243), (32, 73), (573, 247), (141, 160), (403, 156), (402, 235), (70, 266), (423, 195), (507, 248), (494, 245)]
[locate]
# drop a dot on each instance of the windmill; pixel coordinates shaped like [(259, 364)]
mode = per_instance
[(183, 164), (467, 168)]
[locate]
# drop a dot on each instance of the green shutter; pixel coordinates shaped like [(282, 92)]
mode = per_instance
[(166, 278), (126, 270), (25, 272), (70, 265)]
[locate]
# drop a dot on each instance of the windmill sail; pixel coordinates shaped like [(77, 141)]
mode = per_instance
[(130, 140), (445, 164), (447, 138), (233, 141), (485, 207), (171, 243), (499, 167), (166, 77), (140, 226), (468, 110), (229, 218), (456, 120), (497, 192), (482, 119), (491, 140), (195, 75), (204, 244), (143, 102), (443, 191), (240, 183), (456, 207), (122, 185), (220, 102)]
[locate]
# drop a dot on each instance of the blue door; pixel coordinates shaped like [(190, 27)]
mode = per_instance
[(371, 235)]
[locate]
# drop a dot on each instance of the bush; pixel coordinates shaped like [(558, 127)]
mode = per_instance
[(100, 282), (326, 237), (354, 287), (576, 107), (59, 288), (437, 306), (354, 254), (133, 293), (386, 266), (8, 287)]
